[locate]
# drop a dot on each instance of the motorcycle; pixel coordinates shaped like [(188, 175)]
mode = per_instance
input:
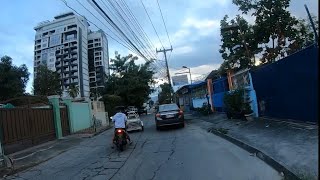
[(120, 139)]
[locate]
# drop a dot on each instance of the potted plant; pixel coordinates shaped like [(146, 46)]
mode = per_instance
[(248, 112)]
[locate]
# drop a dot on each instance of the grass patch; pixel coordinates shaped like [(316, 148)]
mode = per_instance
[(223, 131)]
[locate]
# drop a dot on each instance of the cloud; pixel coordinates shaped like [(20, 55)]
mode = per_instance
[(183, 50), (204, 27), (200, 24)]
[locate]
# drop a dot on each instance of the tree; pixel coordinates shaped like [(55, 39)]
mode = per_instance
[(46, 82), (165, 96), (239, 46), (273, 25), (304, 36), (13, 79), (129, 81), (73, 91)]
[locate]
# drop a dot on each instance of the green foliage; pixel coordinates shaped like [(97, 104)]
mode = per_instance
[(204, 110), (247, 108), (151, 103), (46, 82), (73, 91), (235, 104), (274, 34), (129, 81), (304, 36), (13, 79), (111, 101), (273, 23), (165, 96), (238, 44), (233, 101)]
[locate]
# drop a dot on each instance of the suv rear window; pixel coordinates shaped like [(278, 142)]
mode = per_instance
[(168, 107)]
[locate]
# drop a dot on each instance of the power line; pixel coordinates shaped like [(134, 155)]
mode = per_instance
[(110, 21), (94, 24), (137, 22), (134, 23), (152, 24), (129, 28), (164, 22)]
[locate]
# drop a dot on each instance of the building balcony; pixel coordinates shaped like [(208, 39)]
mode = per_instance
[(74, 74), (69, 40), (71, 29), (66, 82)]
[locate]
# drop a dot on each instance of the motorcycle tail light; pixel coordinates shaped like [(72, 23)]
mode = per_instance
[(119, 131)]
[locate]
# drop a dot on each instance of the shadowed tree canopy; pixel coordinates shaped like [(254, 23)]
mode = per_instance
[(274, 34), (46, 82), (73, 91), (13, 79), (274, 26), (238, 44), (129, 81), (165, 96)]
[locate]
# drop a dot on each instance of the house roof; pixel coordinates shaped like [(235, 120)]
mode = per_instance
[(191, 86)]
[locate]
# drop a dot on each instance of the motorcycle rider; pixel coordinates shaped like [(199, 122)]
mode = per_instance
[(120, 120)]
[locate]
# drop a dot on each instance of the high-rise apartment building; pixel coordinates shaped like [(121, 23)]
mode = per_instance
[(62, 45), (98, 58)]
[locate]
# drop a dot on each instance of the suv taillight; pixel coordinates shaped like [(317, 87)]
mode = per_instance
[(158, 115), (180, 112)]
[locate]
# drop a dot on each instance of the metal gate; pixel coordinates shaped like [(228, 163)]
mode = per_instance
[(64, 121), (21, 128)]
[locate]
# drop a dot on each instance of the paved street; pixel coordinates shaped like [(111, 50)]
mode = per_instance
[(190, 153)]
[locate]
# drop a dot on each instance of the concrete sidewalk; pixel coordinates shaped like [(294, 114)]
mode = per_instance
[(292, 145), (37, 154)]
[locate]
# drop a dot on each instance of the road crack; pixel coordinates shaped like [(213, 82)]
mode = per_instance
[(173, 147)]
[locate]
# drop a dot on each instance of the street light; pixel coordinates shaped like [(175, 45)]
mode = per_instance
[(189, 72)]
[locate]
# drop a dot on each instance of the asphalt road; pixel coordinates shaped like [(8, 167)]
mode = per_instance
[(188, 153)]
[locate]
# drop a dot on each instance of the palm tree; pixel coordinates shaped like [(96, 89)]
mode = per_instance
[(73, 91)]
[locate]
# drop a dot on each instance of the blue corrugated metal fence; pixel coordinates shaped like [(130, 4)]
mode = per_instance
[(288, 88)]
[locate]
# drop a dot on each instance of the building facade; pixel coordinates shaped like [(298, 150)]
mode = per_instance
[(98, 58), (62, 45)]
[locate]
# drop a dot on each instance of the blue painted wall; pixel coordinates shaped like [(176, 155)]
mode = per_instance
[(288, 88), (220, 87)]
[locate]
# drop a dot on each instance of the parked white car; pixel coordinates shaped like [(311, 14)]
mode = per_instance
[(134, 122)]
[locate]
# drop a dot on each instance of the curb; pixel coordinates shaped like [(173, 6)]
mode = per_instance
[(287, 174), (97, 133)]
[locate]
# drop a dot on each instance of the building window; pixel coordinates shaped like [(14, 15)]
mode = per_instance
[(44, 56), (90, 41), (55, 40), (70, 37)]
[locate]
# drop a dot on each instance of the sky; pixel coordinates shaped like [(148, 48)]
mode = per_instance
[(193, 28)]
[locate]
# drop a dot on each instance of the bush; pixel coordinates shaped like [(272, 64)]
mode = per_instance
[(204, 110), (235, 105)]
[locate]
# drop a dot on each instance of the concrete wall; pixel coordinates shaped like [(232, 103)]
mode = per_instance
[(81, 117), (99, 113), (198, 102)]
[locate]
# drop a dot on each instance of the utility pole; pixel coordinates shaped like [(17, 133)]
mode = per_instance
[(165, 57), (312, 25)]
